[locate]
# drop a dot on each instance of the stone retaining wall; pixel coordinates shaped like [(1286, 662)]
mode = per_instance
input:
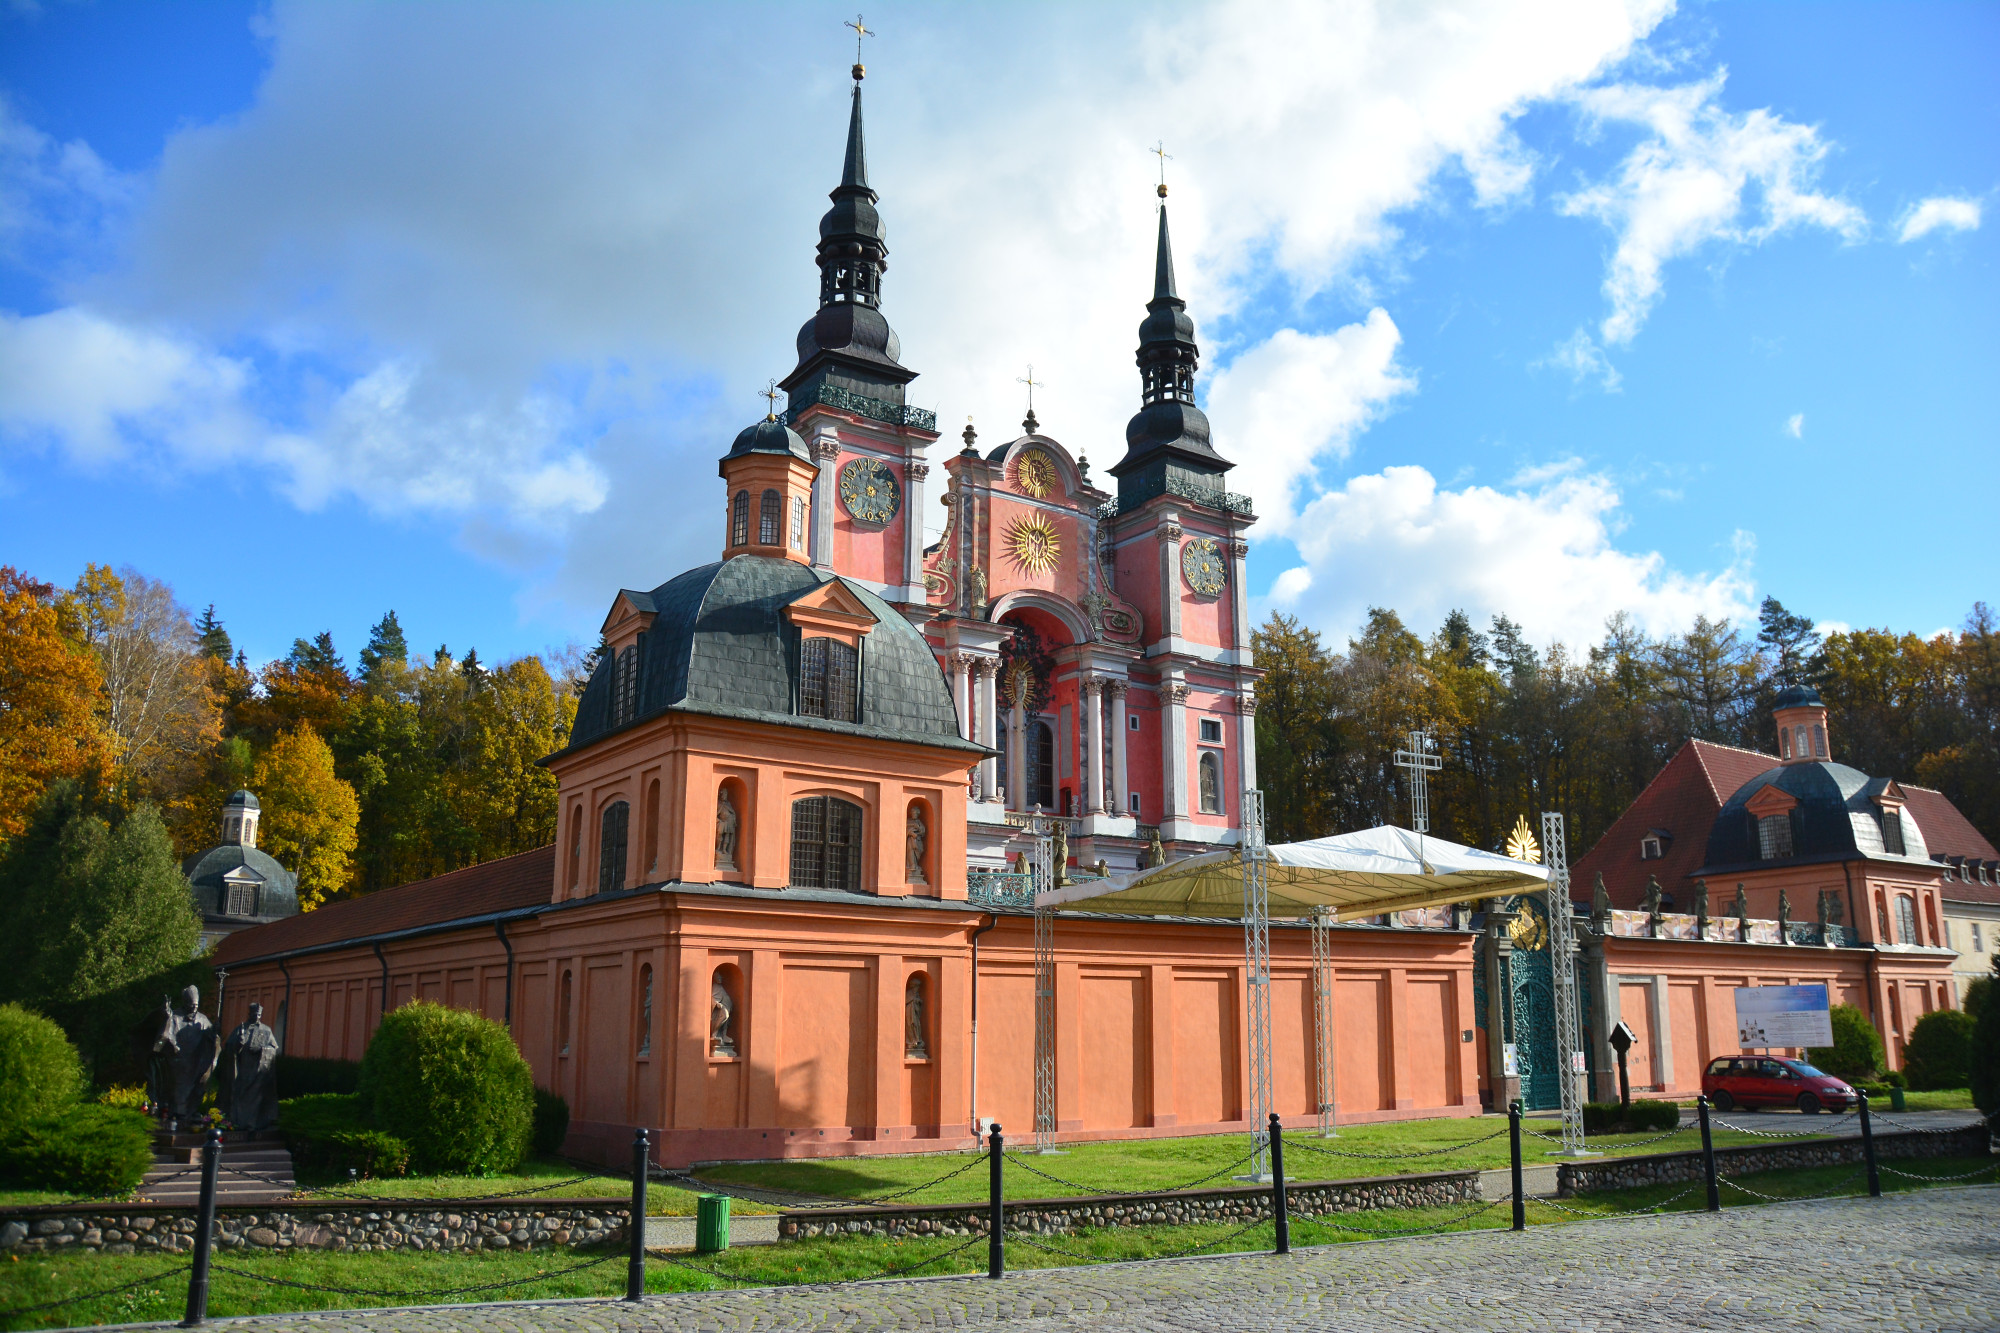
[(350, 1224), (1674, 1168), (1167, 1208)]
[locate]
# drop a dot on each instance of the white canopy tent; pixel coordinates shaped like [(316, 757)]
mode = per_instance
[(1347, 877)]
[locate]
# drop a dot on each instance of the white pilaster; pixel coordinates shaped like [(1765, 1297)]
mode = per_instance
[(1093, 748), (826, 453), (961, 693), (1120, 788), (1239, 598), (989, 769), (1246, 739), (1168, 532), (915, 470), (1174, 760), (1017, 754)]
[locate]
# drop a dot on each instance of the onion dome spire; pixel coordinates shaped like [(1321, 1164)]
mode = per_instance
[(1169, 433)]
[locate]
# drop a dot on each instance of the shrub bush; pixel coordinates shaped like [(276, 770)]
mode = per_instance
[(131, 1096), (100, 1150), (551, 1122), (328, 1136), (1895, 1078), (40, 1071), (1856, 1052), (453, 1086), (1984, 1058), (1940, 1051), (1975, 996), (302, 1076), (1643, 1115)]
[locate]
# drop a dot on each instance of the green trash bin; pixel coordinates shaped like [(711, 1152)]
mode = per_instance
[(711, 1223)]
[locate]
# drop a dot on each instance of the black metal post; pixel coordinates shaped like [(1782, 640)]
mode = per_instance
[(996, 1217), (1624, 1089), (1868, 1146), (635, 1266), (1514, 1151), (204, 1228), (1278, 1211), (1708, 1156)]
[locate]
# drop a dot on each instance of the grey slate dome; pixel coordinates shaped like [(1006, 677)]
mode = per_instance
[(247, 800), (769, 436), (1836, 819), (272, 890), (1798, 696), (720, 645)]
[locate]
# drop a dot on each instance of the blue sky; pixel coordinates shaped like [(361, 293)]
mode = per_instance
[(1555, 310)]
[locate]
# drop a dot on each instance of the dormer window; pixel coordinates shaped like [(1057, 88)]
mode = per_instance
[(1650, 848), (829, 680), (1892, 830), (1774, 836)]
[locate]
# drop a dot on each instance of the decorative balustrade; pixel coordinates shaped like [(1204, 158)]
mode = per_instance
[(1726, 929)]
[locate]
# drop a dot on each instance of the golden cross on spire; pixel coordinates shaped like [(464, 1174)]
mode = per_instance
[(769, 393), (860, 30), (1159, 150), (1032, 383)]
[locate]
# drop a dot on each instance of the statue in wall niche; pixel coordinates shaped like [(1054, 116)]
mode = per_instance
[(1833, 913), (246, 1081), (1059, 853), (915, 838), (914, 1045), (1156, 851), (721, 1021), (1600, 903), (185, 1057), (977, 583), (727, 821)]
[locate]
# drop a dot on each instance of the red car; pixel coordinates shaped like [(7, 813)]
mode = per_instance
[(1751, 1081)]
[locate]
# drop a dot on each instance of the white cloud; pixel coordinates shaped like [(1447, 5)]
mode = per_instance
[(1297, 400), (1704, 175), (1543, 555), (1795, 425), (1580, 355), (1941, 213)]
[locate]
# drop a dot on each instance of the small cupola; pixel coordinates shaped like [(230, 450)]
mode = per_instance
[(1801, 718), (770, 474), (239, 820)]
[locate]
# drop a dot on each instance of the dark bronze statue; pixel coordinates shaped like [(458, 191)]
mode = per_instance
[(184, 1057), (246, 1086)]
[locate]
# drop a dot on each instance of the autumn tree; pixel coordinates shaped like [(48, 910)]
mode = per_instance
[(50, 687), (309, 813)]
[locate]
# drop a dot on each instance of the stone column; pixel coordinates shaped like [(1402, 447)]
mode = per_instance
[(1168, 532), (1093, 757), (1174, 757), (989, 736), (1120, 729), (1017, 753), (1246, 738), (915, 470), (826, 453), (961, 693)]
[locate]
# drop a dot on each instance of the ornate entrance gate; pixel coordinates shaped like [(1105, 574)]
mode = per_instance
[(1532, 1008)]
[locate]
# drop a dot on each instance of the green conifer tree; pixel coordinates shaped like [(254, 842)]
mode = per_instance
[(213, 638), (385, 644)]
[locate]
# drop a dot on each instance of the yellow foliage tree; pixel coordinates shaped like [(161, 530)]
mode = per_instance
[(50, 688), (309, 814)]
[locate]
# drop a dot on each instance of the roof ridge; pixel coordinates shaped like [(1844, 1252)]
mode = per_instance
[(430, 880)]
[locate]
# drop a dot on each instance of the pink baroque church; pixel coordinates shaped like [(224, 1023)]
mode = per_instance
[(780, 892)]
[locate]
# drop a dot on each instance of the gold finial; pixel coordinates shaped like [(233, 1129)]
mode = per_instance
[(1159, 150), (769, 393), (860, 30)]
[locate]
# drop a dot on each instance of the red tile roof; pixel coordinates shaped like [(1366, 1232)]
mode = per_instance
[(525, 880), (1682, 801), (1944, 828)]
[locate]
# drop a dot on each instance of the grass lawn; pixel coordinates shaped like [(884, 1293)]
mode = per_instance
[(1143, 1164), (1942, 1099), (405, 1279), (661, 1200)]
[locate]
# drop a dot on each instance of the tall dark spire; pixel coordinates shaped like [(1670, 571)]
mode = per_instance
[(1169, 434), (849, 344)]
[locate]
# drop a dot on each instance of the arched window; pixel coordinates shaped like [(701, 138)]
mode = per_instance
[(1042, 766), (739, 520), (646, 1009), (1906, 920), (1819, 741), (770, 514), (1800, 746), (1784, 742), (563, 1015), (611, 847), (575, 846), (1210, 776), (829, 680), (826, 844), (798, 523)]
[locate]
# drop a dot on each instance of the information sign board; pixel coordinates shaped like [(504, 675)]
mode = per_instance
[(1768, 1016)]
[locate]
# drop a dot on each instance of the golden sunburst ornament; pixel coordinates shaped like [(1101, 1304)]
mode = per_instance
[(1034, 544), (1521, 844), (1527, 930), (1035, 473)]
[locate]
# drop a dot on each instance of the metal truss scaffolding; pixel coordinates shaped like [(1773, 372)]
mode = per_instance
[(1257, 975), (1562, 970), (1323, 1052), (1045, 988)]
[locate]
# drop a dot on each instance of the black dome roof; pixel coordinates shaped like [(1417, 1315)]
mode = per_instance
[(1836, 818), (277, 894), (720, 644), (769, 436), (247, 800), (1799, 696)]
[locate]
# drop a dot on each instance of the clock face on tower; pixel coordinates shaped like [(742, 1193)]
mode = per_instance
[(1201, 563), (869, 490)]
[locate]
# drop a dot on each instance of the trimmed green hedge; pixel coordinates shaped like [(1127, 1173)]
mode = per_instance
[(102, 1150), (40, 1072), (1642, 1115), (303, 1076), (1939, 1054), (453, 1086), (1856, 1052), (329, 1135)]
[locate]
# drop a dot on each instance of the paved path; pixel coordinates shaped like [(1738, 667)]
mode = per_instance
[(1925, 1260)]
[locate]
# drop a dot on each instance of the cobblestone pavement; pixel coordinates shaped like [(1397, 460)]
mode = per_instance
[(1926, 1260)]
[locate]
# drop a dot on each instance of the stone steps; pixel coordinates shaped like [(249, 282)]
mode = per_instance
[(249, 1173)]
